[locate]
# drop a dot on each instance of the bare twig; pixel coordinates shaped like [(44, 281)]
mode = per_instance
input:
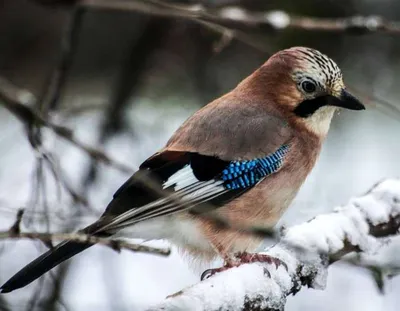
[(52, 94), (116, 245), (15, 228), (62, 179), (19, 102), (15, 233), (235, 17), (379, 103), (237, 22), (128, 82)]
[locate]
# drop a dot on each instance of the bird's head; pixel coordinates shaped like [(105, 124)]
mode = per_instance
[(309, 86)]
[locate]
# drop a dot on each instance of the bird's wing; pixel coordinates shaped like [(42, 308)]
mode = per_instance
[(172, 181)]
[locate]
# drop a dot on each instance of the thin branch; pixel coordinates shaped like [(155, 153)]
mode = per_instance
[(49, 100), (235, 17), (15, 233), (379, 103), (362, 225), (20, 102), (15, 228), (116, 245), (237, 22)]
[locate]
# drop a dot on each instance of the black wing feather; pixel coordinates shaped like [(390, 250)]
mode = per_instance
[(146, 185)]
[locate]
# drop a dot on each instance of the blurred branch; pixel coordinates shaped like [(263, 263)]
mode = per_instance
[(20, 102), (237, 22), (380, 272), (15, 233), (128, 82), (360, 226), (50, 98), (379, 103), (116, 245), (235, 17), (69, 39)]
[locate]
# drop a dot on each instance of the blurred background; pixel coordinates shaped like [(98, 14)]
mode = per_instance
[(123, 78)]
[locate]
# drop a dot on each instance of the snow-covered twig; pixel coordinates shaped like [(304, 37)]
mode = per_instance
[(306, 249)]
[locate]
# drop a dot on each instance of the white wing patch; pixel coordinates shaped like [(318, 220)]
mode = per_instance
[(188, 192), (182, 178), (191, 189)]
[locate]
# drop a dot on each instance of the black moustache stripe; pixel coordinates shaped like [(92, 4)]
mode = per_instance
[(308, 107)]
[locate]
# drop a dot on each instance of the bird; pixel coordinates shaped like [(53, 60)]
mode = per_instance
[(241, 158)]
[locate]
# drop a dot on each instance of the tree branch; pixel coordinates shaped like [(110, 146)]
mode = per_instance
[(359, 226), (235, 17), (237, 22), (116, 245), (15, 233), (20, 103), (69, 42)]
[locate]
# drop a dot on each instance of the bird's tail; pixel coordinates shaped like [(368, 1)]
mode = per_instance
[(42, 264)]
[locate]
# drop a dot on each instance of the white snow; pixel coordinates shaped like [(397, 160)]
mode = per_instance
[(327, 233), (227, 291)]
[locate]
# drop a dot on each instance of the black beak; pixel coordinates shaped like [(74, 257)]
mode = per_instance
[(348, 101)]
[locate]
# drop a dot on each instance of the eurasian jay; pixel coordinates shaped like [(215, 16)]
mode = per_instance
[(242, 157)]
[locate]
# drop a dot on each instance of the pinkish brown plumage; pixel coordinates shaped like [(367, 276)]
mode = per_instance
[(242, 157)]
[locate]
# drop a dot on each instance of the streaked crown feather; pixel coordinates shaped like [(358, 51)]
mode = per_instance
[(319, 65)]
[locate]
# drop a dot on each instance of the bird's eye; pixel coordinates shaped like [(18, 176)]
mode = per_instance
[(308, 86)]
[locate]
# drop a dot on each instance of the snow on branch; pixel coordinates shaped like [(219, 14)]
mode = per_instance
[(306, 249)]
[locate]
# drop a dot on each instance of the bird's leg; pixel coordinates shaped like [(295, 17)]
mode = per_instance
[(240, 259), (229, 261)]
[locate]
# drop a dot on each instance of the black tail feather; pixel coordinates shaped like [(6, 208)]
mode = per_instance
[(42, 264)]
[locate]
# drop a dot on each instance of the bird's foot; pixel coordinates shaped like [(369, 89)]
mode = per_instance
[(244, 258)]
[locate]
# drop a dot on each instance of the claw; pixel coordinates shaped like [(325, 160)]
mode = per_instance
[(243, 258), (207, 274), (210, 272), (249, 258)]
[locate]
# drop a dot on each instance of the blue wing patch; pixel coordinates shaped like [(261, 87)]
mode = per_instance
[(243, 174)]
